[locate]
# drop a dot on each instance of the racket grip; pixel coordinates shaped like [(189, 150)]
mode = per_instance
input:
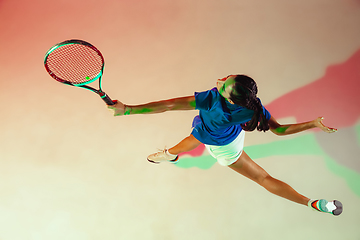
[(106, 98)]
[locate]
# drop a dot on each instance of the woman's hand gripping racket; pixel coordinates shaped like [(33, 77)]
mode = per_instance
[(76, 63)]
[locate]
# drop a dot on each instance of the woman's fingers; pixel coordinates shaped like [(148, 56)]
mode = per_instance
[(323, 127)]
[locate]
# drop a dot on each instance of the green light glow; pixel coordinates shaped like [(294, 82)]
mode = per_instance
[(302, 145), (142, 110), (281, 129), (226, 88)]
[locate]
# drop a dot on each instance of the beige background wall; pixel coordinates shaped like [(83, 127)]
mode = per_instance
[(69, 170)]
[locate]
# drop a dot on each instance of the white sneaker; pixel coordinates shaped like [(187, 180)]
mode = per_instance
[(162, 156), (334, 207)]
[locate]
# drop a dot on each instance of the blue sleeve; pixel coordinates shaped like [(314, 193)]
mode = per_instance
[(204, 100), (266, 113)]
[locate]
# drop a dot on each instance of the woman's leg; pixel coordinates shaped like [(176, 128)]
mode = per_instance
[(247, 167), (187, 144)]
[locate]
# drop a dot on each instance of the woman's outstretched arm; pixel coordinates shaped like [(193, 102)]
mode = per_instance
[(280, 129), (181, 103)]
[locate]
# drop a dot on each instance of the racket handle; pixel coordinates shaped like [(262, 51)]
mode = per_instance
[(106, 98)]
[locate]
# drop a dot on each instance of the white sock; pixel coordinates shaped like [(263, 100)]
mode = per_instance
[(171, 155)]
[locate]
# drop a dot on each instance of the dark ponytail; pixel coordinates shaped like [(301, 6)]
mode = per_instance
[(244, 94)]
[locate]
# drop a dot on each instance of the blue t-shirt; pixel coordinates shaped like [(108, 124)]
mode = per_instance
[(219, 121)]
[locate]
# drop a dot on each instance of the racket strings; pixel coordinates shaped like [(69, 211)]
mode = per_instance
[(75, 63)]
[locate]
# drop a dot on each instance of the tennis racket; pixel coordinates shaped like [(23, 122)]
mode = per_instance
[(76, 63)]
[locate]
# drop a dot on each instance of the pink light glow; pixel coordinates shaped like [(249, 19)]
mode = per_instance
[(335, 96)]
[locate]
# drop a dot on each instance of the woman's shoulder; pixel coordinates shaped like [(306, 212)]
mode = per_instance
[(206, 99), (213, 93)]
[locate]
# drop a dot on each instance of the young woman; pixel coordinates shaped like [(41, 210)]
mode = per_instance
[(225, 113)]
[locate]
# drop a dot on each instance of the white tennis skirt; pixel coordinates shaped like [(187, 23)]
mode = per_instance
[(230, 153)]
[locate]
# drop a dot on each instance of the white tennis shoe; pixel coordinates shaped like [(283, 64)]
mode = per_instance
[(162, 157), (334, 207)]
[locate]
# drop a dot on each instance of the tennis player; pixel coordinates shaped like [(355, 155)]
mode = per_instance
[(225, 113)]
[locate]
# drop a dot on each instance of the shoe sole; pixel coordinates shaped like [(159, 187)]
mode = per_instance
[(339, 208), (172, 161)]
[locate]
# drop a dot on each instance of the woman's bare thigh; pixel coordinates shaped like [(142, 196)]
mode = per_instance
[(248, 168)]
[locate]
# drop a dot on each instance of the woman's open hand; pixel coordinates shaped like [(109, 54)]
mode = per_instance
[(318, 123)]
